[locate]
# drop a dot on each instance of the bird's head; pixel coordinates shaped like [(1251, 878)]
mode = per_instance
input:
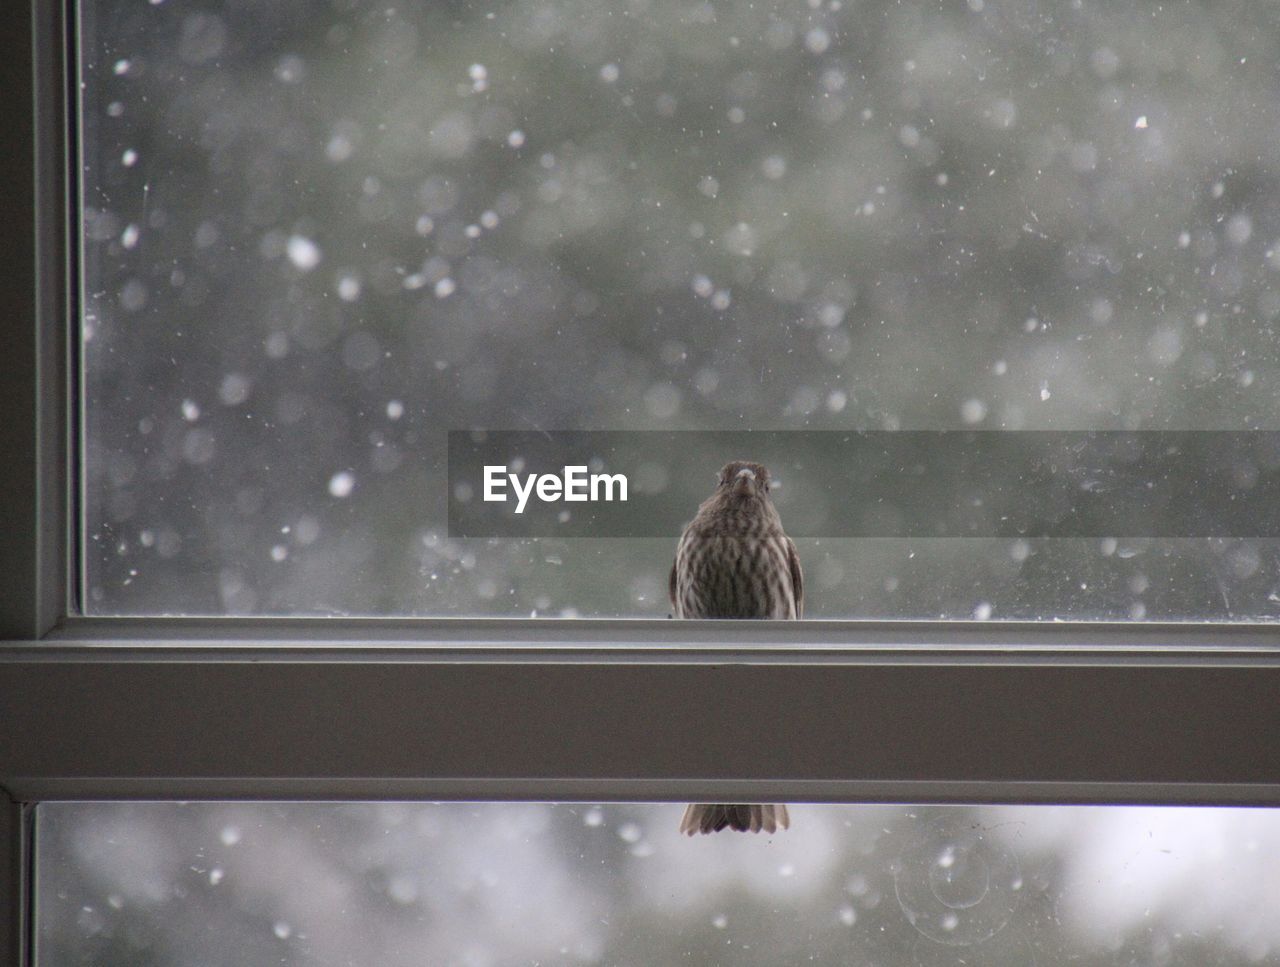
[(743, 480)]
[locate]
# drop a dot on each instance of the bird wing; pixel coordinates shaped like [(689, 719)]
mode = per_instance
[(797, 576), (671, 587)]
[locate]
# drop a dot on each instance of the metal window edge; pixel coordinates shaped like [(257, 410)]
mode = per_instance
[(1139, 640), (17, 844), (412, 723), (521, 789)]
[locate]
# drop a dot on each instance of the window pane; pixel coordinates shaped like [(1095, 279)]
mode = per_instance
[(318, 236), (488, 884)]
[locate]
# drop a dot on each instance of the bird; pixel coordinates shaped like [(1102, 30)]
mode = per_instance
[(735, 561)]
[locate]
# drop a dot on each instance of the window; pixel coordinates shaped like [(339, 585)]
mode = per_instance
[(155, 692), (314, 244), (404, 883)]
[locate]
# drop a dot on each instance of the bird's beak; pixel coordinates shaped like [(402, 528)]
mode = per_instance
[(745, 481)]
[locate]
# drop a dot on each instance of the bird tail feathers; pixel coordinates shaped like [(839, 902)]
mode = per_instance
[(748, 818)]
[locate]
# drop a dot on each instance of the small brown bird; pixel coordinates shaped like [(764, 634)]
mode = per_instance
[(735, 561)]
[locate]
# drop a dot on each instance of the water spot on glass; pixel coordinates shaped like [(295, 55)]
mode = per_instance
[(348, 287), (1239, 229), (973, 411), (290, 69), (202, 38), (302, 252), (361, 351), (403, 889), (955, 886), (133, 295), (198, 446), (662, 400), (341, 484), (817, 41), (741, 239), (234, 389)]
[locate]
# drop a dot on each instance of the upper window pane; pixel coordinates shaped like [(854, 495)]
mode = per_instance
[(318, 236)]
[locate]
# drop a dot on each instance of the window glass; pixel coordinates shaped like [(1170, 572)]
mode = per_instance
[(318, 236), (490, 884)]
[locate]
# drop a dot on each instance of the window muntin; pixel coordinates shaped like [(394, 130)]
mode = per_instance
[(317, 237), (492, 883)]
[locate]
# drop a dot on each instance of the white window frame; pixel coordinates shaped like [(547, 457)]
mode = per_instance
[(496, 709)]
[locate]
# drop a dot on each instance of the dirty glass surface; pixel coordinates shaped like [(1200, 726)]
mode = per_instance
[(320, 234), (490, 884)]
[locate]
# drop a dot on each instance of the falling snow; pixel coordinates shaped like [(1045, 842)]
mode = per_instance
[(341, 484), (313, 245), (303, 252)]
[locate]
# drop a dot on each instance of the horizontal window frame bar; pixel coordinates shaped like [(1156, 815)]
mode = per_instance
[(749, 640), (203, 721), (518, 790)]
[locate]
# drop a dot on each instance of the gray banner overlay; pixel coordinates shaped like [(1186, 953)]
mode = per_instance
[(834, 483)]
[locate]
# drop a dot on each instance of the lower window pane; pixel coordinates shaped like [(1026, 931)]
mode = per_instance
[(493, 884)]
